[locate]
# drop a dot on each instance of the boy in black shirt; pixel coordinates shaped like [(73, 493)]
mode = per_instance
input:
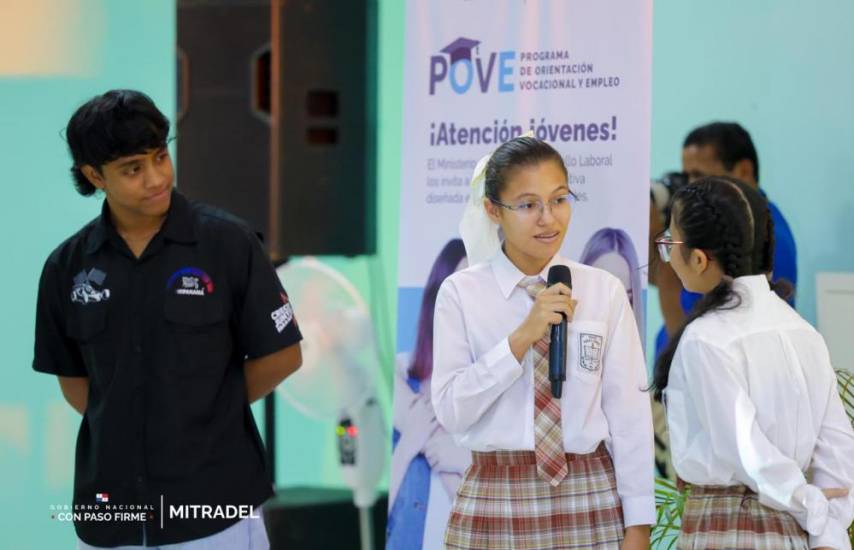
[(163, 320)]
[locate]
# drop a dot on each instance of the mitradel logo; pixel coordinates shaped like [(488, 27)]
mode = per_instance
[(207, 511), (461, 65), (105, 511)]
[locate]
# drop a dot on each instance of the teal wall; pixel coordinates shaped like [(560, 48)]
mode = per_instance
[(780, 68)]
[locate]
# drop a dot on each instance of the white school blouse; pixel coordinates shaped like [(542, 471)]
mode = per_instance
[(752, 400), (485, 397)]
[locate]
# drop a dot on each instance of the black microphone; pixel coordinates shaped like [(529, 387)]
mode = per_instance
[(557, 346)]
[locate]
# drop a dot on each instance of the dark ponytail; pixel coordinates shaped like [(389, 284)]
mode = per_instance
[(713, 215), (783, 287)]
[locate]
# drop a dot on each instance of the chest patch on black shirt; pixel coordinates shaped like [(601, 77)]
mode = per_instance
[(85, 289), (190, 281)]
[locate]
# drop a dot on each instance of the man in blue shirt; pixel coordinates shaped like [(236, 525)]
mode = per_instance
[(721, 149)]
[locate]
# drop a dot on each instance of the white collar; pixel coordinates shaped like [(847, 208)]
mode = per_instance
[(509, 276), (753, 285)]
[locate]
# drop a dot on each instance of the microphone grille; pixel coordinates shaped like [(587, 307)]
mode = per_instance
[(560, 274)]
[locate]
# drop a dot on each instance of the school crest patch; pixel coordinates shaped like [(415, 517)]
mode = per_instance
[(590, 358)]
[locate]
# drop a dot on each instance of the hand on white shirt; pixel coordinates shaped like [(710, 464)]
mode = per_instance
[(550, 303), (416, 422), (446, 457), (834, 493), (451, 483), (421, 433), (414, 416), (416, 426)]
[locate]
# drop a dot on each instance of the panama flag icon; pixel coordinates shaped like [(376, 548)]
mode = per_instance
[(102, 497)]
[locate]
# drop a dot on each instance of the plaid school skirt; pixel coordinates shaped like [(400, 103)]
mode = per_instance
[(731, 518), (502, 504)]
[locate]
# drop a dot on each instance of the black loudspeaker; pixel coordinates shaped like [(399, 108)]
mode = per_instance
[(223, 132), (276, 118)]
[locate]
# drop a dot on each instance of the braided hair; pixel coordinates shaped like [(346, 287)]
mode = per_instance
[(713, 215), (763, 237)]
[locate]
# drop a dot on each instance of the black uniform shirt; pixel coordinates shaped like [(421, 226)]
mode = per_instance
[(163, 339)]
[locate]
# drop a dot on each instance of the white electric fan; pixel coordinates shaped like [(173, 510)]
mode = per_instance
[(339, 374)]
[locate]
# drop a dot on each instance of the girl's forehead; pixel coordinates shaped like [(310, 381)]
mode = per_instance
[(540, 178)]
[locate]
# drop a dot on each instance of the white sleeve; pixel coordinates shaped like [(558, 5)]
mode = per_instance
[(717, 390), (833, 465), (463, 389), (629, 412)]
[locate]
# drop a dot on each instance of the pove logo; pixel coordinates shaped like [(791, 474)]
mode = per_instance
[(462, 66)]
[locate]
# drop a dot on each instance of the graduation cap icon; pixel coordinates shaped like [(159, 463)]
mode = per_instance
[(460, 49)]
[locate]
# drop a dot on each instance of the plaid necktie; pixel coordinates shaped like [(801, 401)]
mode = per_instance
[(548, 435)]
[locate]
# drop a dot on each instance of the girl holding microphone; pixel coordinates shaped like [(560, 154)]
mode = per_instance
[(547, 473)]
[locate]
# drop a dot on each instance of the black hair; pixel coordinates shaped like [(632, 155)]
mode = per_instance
[(713, 215), (421, 367), (518, 152), (731, 141), (113, 125), (762, 259)]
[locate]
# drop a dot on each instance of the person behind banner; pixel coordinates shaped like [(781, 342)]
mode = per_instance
[(751, 396), (720, 149), (426, 464), (163, 319), (546, 473)]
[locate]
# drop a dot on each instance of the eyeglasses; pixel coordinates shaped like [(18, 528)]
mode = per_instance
[(665, 246), (532, 210)]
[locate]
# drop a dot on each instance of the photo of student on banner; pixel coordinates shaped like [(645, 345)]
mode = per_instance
[(427, 466), (612, 249)]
